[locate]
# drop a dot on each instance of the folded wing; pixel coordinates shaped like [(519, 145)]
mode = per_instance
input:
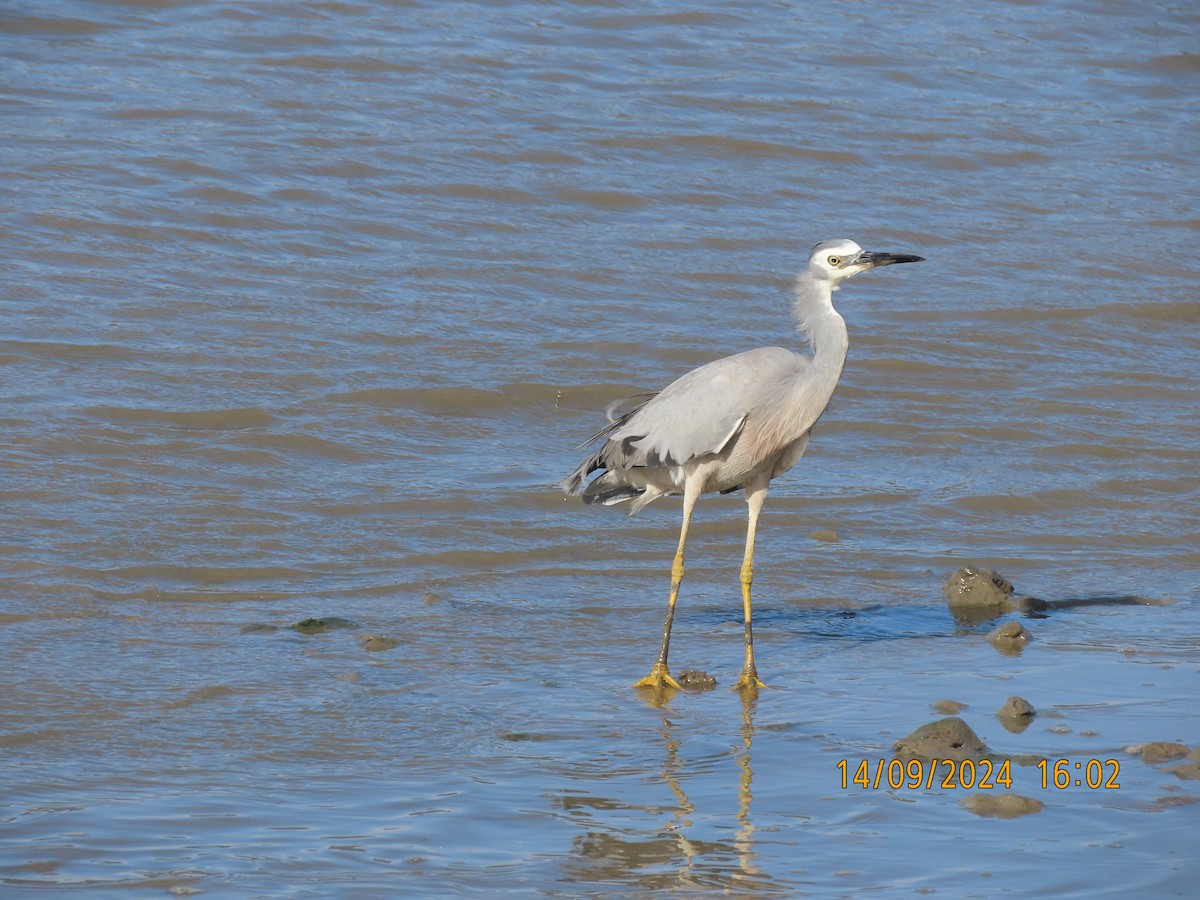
[(699, 415)]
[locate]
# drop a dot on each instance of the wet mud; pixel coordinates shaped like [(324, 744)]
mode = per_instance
[(1157, 753), (1188, 771), (376, 642), (948, 707), (1175, 800), (311, 625), (1160, 751), (321, 626), (1001, 806)]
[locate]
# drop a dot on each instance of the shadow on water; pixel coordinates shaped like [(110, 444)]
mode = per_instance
[(672, 858), (1038, 609), (878, 622), (882, 622), (1035, 608)]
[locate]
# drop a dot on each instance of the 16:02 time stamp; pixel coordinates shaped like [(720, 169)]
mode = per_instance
[(983, 774)]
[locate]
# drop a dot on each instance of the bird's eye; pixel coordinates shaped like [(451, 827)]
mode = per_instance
[(834, 261)]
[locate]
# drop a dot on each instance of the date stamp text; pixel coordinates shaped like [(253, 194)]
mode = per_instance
[(969, 774)]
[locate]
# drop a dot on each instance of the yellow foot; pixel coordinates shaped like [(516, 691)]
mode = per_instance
[(658, 679), (748, 681)]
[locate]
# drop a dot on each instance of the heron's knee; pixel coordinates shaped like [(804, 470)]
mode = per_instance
[(747, 575)]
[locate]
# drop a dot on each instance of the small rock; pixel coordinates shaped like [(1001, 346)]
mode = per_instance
[(1017, 708), (1001, 806), (1011, 637), (695, 680), (320, 626), (949, 738), (971, 586), (1188, 771), (1016, 715), (1160, 751), (948, 707), (825, 534), (374, 642)]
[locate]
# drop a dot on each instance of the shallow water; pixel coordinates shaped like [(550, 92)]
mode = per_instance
[(307, 304)]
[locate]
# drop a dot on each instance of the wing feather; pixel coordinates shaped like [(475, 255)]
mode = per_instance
[(700, 413), (698, 416)]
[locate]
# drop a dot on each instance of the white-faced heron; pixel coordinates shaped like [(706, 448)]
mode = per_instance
[(734, 423)]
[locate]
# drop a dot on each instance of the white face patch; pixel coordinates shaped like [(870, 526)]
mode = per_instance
[(836, 258)]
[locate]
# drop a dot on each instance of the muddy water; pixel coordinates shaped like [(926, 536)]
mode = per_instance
[(306, 304)]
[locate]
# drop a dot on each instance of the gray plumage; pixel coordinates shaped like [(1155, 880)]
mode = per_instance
[(701, 418), (737, 422), (738, 417)]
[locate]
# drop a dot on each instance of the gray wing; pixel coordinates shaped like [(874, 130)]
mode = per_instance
[(697, 415)]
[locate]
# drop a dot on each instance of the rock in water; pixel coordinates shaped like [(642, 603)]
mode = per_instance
[(978, 587), (949, 738), (1011, 637), (1017, 708)]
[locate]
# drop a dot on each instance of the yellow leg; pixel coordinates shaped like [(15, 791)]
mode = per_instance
[(754, 501), (660, 675)]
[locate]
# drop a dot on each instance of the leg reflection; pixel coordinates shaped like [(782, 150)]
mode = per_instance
[(744, 837), (697, 836)]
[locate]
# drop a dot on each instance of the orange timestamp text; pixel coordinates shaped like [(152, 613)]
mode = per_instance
[(873, 774), (1092, 773), (970, 774)]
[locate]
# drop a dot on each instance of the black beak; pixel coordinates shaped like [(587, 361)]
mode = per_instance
[(886, 259)]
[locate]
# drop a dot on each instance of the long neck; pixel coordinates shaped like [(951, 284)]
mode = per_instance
[(820, 325)]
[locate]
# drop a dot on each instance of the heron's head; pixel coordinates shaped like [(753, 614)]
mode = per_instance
[(835, 261)]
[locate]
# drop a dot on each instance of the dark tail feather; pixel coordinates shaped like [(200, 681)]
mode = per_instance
[(618, 414), (573, 482), (570, 484)]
